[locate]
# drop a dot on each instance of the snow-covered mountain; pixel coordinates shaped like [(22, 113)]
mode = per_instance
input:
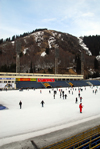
[(38, 49)]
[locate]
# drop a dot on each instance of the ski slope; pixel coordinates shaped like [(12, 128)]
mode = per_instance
[(33, 120)]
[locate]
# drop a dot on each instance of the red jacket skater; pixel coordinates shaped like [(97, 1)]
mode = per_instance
[(80, 106)]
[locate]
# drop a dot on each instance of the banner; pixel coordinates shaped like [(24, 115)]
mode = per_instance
[(45, 80), (17, 79), (25, 79), (33, 79)]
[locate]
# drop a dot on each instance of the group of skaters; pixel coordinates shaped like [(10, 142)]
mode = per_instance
[(80, 98), (95, 91), (20, 104), (64, 95)]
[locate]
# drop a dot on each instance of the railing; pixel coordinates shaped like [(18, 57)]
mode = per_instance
[(39, 75), (86, 139)]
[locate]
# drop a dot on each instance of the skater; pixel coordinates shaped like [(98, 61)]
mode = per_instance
[(55, 92), (76, 100), (54, 96), (95, 91), (63, 92), (79, 95), (20, 104), (80, 106), (65, 96), (42, 102), (80, 99), (60, 94)]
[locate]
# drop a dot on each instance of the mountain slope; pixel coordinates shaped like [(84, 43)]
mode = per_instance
[(37, 52)]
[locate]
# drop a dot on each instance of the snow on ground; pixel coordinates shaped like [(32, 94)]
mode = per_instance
[(51, 41), (83, 45), (43, 54), (98, 57), (38, 35), (25, 50), (56, 114)]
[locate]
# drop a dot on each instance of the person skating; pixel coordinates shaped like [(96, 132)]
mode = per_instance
[(65, 96), (42, 102), (80, 106), (60, 94), (76, 100), (79, 95), (80, 99), (20, 104)]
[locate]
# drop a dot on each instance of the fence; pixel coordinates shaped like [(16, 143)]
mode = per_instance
[(87, 139)]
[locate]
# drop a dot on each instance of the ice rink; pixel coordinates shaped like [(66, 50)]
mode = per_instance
[(34, 120)]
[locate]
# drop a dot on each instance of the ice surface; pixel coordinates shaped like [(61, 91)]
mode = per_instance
[(33, 119)]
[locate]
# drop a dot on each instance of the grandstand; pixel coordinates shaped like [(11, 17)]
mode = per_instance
[(85, 140), (35, 80)]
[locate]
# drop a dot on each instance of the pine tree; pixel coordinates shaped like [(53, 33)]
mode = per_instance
[(47, 51), (31, 69), (96, 64), (78, 64)]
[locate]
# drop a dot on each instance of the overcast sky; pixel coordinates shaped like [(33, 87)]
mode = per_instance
[(76, 17)]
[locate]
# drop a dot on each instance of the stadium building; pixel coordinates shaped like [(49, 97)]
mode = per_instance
[(35, 80)]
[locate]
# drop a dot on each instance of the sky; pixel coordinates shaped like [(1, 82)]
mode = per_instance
[(34, 120), (76, 17)]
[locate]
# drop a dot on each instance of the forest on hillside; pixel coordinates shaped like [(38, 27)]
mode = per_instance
[(14, 37), (93, 43)]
